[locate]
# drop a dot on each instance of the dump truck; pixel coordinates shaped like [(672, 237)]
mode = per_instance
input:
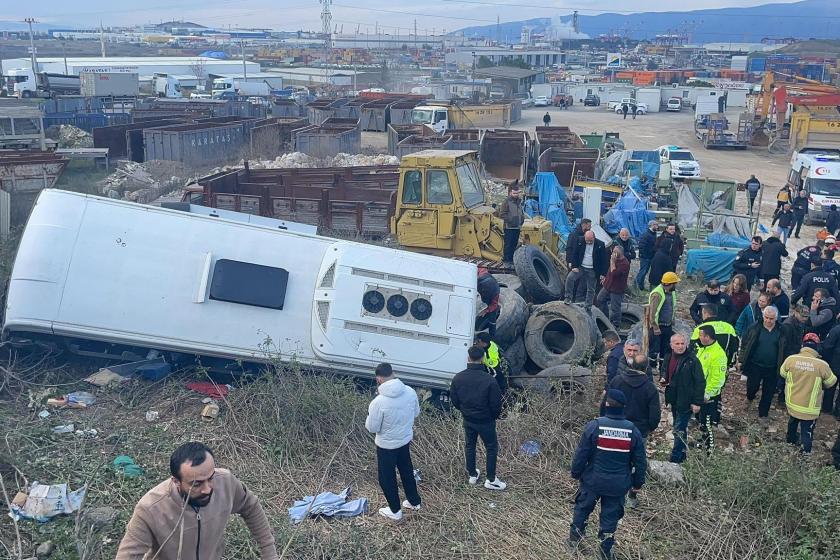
[(232, 291), (444, 117), (433, 203)]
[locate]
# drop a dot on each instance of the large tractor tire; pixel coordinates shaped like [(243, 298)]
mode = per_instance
[(632, 314), (516, 357), (511, 281), (513, 315), (558, 333), (539, 278)]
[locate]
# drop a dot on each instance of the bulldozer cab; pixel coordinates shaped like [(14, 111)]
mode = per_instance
[(441, 206)]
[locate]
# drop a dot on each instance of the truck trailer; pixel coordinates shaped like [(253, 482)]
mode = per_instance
[(26, 83), (110, 278)]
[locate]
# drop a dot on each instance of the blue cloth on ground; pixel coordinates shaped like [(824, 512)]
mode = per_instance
[(630, 212), (328, 503), (711, 263), (550, 203)]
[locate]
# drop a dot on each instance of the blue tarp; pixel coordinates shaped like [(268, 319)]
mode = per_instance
[(711, 263), (629, 212), (214, 54), (550, 203), (650, 164), (719, 239)]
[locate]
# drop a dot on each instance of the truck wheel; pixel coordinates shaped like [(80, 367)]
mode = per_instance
[(569, 373), (631, 314), (539, 278), (26, 94), (558, 333), (603, 325), (516, 356), (513, 314), (511, 281)]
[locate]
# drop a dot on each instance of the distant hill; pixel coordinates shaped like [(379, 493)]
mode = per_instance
[(803, 20)]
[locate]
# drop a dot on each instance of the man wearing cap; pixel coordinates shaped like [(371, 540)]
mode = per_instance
[(610, 460), (802, 264), (805, 376), (662, 308), (714, 362), (713, 295), (647, 248), (510, 210)]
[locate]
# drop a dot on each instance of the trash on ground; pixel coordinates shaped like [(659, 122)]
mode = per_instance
[(530, 448), (89, 433), (152, 415), (152, 370), (329, 504), (212, 390), (667, 472), (65, 429), (210, 411), (43, 414), (45, 501), (105, 377), (77, 399), (126, 465)]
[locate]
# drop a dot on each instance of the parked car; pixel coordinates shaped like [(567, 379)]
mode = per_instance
[(592, 100), (674, 104), (525, 99), (683, 162), (541, 101), (638, 108)]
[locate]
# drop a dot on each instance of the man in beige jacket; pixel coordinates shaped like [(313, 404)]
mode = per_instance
[(185, 516)]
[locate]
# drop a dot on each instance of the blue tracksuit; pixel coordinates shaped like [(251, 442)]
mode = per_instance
[(610, 459)]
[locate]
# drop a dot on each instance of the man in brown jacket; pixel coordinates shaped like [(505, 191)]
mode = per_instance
[(510, 210), (185, 516)]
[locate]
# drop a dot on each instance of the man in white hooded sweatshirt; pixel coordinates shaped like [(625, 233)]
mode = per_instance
[(391, 417)]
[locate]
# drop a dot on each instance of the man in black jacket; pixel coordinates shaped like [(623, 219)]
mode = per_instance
[(772, 251), (712, 295), (476, 394), (626, 243), (800, 210), (588, 263), (682, 376), (802, 264), (779, 298), (785, 223), (748, 261), (662, 262), (573, 240), (647, 248), (817, 278), (832, 220)]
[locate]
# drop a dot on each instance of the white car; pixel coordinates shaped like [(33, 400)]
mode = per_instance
[(542, 101), (683, 163), (674, 104), (639, 108)]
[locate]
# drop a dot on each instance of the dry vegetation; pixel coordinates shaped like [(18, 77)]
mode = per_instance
[(288, 434)]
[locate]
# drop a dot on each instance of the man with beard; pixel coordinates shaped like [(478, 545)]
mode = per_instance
[(185, 516)]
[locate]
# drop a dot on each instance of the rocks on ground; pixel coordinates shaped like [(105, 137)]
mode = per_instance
[(301, 160), (143, 182), (69, 136), (670, 473)]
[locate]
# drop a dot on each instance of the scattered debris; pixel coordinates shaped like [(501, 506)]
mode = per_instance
[(126, 466), (43, 414), (69, 136), (77, 399), (210, 411), (105, 377), (152, 415), (143, 182), (44, 549), (212, 390), (100, 517), (65, 429), (300, 160), (671, 473), (530, 448), (89, 433), (45, 501), (328, 503)]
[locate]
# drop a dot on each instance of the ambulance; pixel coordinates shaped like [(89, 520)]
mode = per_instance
[(817, 172)]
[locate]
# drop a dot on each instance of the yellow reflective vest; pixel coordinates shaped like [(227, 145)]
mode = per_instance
[(805, 376)]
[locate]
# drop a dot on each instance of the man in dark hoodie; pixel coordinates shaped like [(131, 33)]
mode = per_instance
[(712, 295), (800, 210), (682, 376), (817, 278), (647, 248), (642, 407), (832, 220), (662, 262), (672, 234), (822, 312), (609, 461), (802, 264), (748, 261), (477, 395), (772, 251)]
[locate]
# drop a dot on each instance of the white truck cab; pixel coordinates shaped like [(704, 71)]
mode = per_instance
[(435, 117), (167, 86), (816, 171), (683, 162)]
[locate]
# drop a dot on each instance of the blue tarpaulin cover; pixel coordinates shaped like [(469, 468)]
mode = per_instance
[(720, 239), (214, 54), (550, 203), (630, 212), (711, 263)]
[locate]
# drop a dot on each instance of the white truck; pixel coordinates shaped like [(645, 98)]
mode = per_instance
[(108, 278), (167, 86), (639, 107), (26, 83), (234, 83), (816, 170)]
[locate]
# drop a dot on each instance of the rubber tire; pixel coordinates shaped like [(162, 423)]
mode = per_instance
[(581, 324), (526, 259), (516, 357), (513, 315), (630, 312), (511, 281), (602, 326), (679, 326)]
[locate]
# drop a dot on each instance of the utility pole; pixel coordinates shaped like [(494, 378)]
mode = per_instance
[(101, 38), (64, 54), (33, 58), (474, 95), (244, 66), (417, 43), (326, 29), (498, 32)]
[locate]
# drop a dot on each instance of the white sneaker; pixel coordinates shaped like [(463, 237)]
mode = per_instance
[(474, 479), (386, 512), (495, 485), (407, 505)]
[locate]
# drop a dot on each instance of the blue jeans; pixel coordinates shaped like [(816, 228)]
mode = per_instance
[(807, 428), (644, 268), (680, 435)]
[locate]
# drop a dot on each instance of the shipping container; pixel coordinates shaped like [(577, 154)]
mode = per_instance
[(328, 140), (196, 144), (504, 154), (86, 121), (110, 84), (374, 115), (465, 139), (399, 132), (116, 138), (419, 143), (400, 111), (23, 175)]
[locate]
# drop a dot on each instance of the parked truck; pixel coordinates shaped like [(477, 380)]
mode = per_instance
[(231, 290), (167, 86), (26, 83), (232, 83), (97, 84), (444, 117)]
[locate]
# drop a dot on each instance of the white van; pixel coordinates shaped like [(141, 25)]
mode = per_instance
[(817, 171), (111, 278)]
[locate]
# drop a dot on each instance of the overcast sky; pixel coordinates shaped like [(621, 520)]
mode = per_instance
[(351, 14)]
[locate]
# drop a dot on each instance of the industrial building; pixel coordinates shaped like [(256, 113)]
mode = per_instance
[(537, 58), (145, 67), (510, 80)]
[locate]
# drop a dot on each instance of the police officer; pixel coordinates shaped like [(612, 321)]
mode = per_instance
[(609, 461), (814, 280), (802, 264)]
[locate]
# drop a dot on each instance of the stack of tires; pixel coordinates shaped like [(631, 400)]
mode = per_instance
[(544, 339)]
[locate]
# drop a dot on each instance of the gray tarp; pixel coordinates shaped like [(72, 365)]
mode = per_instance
[(328, 503), (688, 204)]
